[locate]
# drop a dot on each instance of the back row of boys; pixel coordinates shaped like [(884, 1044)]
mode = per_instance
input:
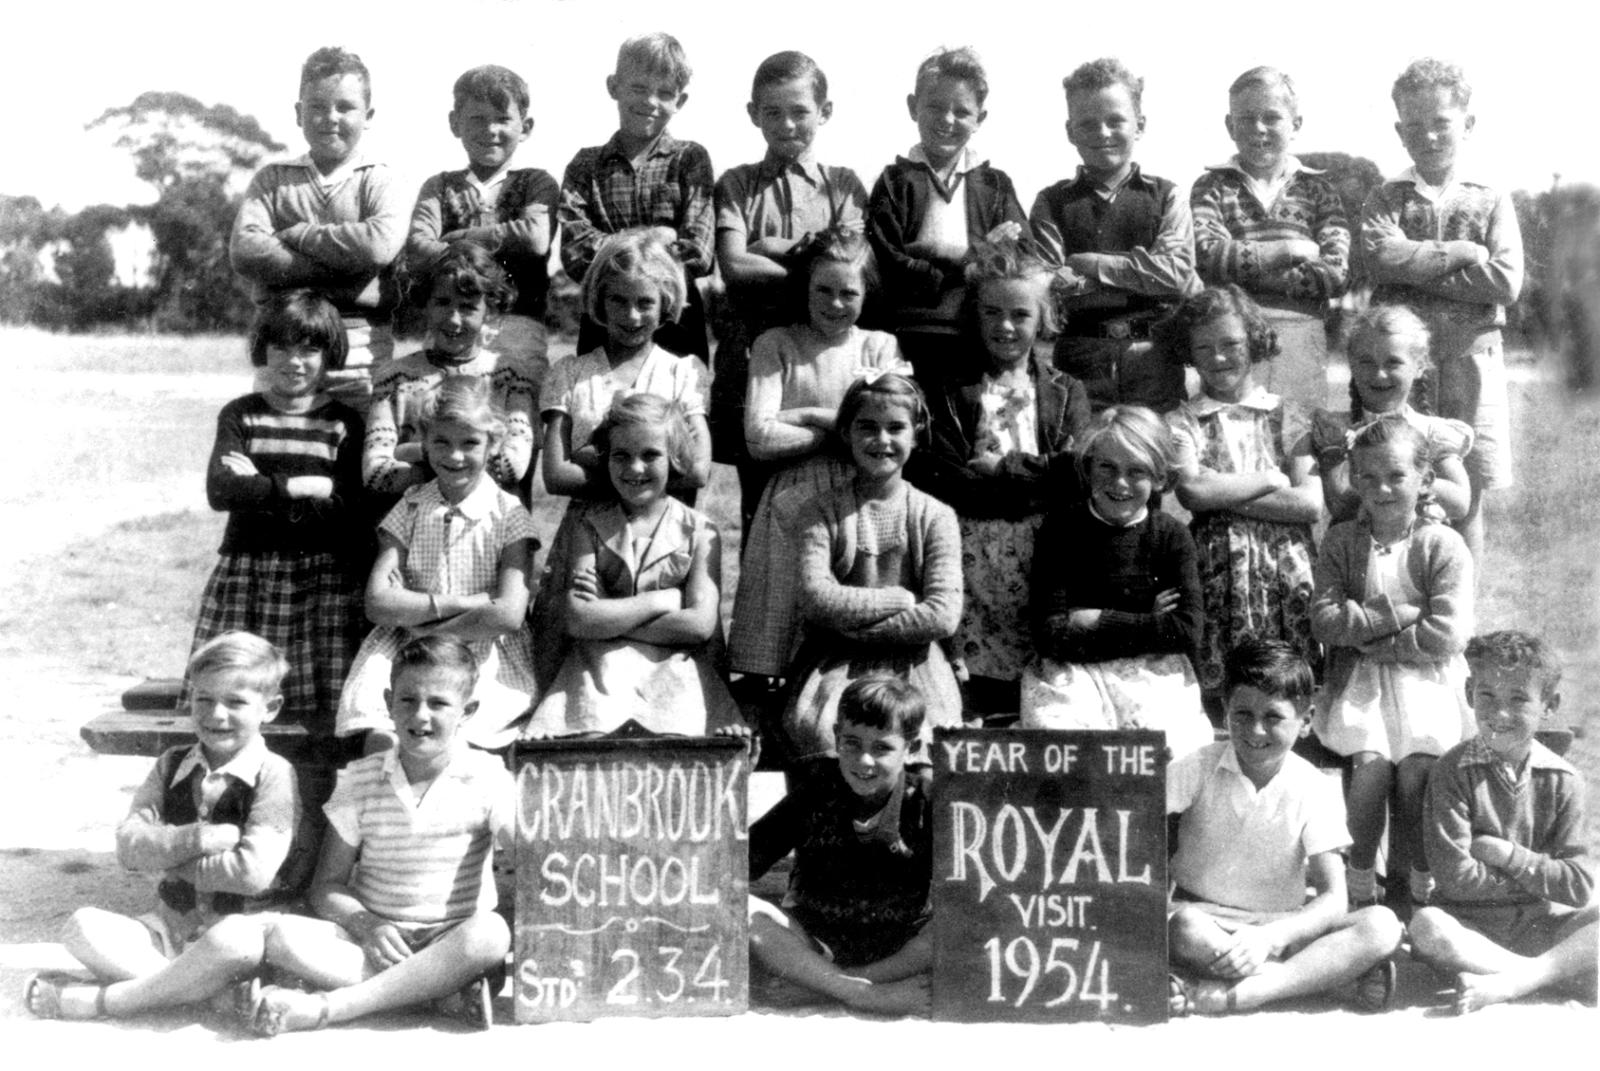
[(1123, 242)]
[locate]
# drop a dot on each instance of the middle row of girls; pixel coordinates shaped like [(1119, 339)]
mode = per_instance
[(887, 538)]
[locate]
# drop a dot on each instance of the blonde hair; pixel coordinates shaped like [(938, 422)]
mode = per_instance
[(649, 411), (1266, 78), (464, 400), (262, 665), (1008, 260), (1137, 430), (1399, 322), (639, 253)]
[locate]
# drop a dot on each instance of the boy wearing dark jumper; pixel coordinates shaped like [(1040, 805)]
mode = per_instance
[(851, 927)]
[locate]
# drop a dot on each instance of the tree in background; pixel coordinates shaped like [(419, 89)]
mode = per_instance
[(196, 157), (25, 230)]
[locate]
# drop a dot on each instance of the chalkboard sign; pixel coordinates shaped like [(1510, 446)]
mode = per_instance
[(632, 877), (1049, 876)]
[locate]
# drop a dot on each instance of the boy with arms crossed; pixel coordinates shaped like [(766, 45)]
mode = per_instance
[(1122, 243), (643, 177), (330, 220), (1514, 910), (1448, 246), (1259, 825)]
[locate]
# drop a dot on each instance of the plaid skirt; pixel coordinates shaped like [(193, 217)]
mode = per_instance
[(307, 605)]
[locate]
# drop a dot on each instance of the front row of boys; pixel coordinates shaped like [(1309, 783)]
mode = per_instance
[(415, 920)]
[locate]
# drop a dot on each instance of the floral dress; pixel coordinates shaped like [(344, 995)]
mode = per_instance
[(1255, 576)]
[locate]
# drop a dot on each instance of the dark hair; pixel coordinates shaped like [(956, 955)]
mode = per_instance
[(1429, 73), (888, 385), (472, 270), (884, 702), (838, 244), (299, 318), (1272, 667), (1515, 649), (332, 62), (1208, 306), (958, 64), (498, 86), (1104, 73), (436, 652), (656, 53), (649, 410), (790, 66)]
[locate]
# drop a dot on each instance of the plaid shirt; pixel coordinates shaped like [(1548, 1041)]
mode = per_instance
[(602, 193)]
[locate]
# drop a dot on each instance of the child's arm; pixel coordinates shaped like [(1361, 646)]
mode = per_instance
[(531, 234), (1310, 266), (1392, 257), (1254, 945), (699, 459), (390, 602), (492, 614), (254, 248), (146, 843), (577, 213), (1495, 278), (745, 264), (593, 615), (778, 832), (936, 615), (382, 468), (771, 432), (249, 867), (696, 622), (1337, 618), (509, 464), (1203, 490), (912, 279), (1444, 621), (332, 898), (696, 221), (1165, 269), (563, 473), (357, 246), (233, 481), (826, 601), (1298, 503)]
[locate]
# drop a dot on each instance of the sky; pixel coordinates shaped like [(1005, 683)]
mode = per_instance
[(1533, 76)]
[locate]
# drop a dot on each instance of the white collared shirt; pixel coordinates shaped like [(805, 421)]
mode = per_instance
[(244, 767)]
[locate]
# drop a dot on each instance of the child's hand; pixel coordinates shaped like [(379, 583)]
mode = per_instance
[(1251, 947), (219, 837), (947, 251), (743, 732), (985, 464), (1328, 434), (665, 235), (1005, 231), (1084, 618), (309, 486), (381, 940), (772, 247), (410, 453), (239, 464), (1495, 851), (1165, 602), (1301, 250), (585, 586), (586, 457)]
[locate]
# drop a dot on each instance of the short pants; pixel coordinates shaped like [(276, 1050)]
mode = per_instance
[(1472, 388)]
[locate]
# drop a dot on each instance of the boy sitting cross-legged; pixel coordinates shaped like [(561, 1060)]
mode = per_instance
[(1259, 825), (217, 820), (1514, 909), (404, 887), (861, 825)]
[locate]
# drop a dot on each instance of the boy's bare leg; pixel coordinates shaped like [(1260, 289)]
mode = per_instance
[(1405, 837), (1367, 806), (460, 955), (1471, 527), (1488, 973), (115, 947), (914, 957), (1339, 956), (780, 944)]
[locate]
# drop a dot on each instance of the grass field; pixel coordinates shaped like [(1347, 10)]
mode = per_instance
[(109, 417)]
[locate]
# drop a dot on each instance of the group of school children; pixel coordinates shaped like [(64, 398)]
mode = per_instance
[(959, 512)]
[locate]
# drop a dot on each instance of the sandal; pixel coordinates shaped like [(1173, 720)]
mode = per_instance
[(1205, 997), (269, 1016), (41, 995), (1374, 990), (473, 1005)]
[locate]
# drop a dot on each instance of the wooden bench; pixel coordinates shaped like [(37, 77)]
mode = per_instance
[(150, 722)]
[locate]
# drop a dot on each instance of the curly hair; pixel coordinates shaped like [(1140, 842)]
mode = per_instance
[(1428, 73), (838, 244), (1011, 260), (1103, 73), (1515, 649), (1208, 306), (471, 270), (333, 62), (957, 64)]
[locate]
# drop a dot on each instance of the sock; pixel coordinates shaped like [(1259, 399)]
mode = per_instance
[(1361, 885), (1421, 882)]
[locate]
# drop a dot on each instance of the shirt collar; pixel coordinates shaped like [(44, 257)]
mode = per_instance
[(244, 767), (1134, 177), (496, 179), (805, 166), (1259, 397), (664, 145), (1477, 753), (1461, 177), (1144, 514), (1291, 166), (970, 160), (673, 533), (352, 163), (477, 505)]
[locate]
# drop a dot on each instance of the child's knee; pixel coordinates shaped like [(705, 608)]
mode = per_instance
[(1379, 929), (239, 940), (485, 939), (1430, 931), (1191, 936)]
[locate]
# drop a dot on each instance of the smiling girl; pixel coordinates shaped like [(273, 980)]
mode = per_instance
[(1116, 619), (1253, 503), (642, 601), (453, 559)]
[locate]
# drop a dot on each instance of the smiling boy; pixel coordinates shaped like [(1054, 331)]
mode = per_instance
[(511, 211), (1441, 241), (643, 177), (216, 820), (415, 920), (1514, 911), (928, 208), (1122, 243), (1259, 825), (329, 220)]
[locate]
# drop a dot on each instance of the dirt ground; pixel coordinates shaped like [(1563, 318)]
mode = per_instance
[(59, 804)]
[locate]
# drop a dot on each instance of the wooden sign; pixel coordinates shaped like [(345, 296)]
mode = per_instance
[(632, 876), (1049, 876)]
